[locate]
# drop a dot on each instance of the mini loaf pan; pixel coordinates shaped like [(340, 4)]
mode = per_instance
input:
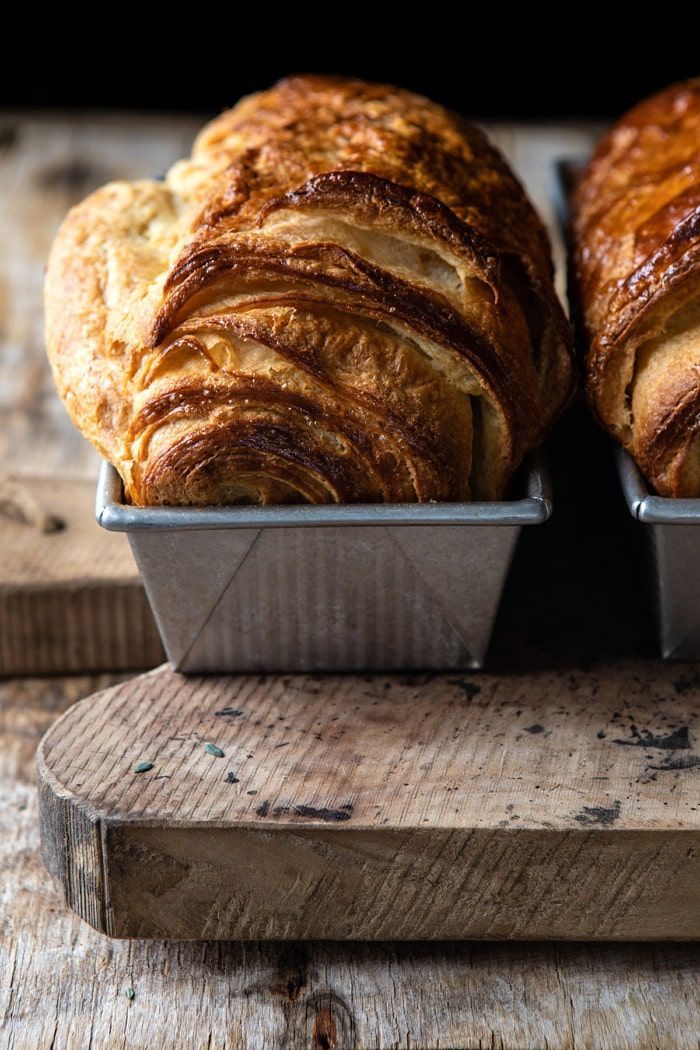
[(672, 524), (673, 528), (326, 588)]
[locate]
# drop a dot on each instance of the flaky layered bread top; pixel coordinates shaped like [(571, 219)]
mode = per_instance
[(637, 235), (344, 295)]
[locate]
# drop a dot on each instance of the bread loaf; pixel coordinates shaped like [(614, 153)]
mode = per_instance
[(344, 295), (636, 225)]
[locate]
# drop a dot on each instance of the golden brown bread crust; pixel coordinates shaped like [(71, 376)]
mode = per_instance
[(636, 229), (344, 295)]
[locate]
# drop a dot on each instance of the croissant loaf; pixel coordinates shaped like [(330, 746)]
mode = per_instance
[(344, 295), (636, 227)]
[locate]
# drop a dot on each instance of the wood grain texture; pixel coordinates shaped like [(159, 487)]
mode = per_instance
[(63, 985), (550, 804), (71, 599)]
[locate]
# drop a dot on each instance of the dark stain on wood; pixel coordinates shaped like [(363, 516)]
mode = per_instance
[(677, 740), (325, 1033), (675, 764), (597, 815), (292, 974), (537, 728), (334, 1026), (226, 711), (291, 984), (263, 809), (9, 137), (468, 688), (294, 986), (231, 778), (687, 683), (312, 812)]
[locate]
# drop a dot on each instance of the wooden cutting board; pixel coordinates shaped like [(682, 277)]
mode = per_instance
[(542, 805), (70, 594)]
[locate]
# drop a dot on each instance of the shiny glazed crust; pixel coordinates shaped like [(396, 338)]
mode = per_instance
[(637, 260), (344, 295)]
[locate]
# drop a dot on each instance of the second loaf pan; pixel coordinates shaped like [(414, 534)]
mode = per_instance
[(674, 530), (673, 525), (326, 588)]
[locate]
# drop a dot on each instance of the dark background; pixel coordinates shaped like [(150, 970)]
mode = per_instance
[(503, 64)]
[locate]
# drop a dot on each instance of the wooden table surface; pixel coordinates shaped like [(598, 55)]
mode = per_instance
[(61, 984)]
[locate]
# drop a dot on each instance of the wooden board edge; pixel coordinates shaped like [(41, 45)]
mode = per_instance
[(283, 874), (77, 629), (71, 849), (137, 879), (71, 833)]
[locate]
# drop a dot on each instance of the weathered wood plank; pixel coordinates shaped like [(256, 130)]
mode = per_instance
[(63, 985), (549, 804), (70, 598)]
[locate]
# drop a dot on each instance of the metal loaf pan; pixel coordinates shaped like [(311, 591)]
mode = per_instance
[(672, 523), (326, 588), (674, 530)]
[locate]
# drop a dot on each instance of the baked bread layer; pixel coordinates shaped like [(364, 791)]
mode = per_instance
[(344, 295), (637, 261)]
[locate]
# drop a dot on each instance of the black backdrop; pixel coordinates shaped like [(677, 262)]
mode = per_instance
[(526, 64)]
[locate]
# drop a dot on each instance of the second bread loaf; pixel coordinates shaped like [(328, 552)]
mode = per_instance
[(637, 235)]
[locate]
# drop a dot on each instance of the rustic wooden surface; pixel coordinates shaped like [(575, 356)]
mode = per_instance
[(550, 804), (70, 596), (63, 985)]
